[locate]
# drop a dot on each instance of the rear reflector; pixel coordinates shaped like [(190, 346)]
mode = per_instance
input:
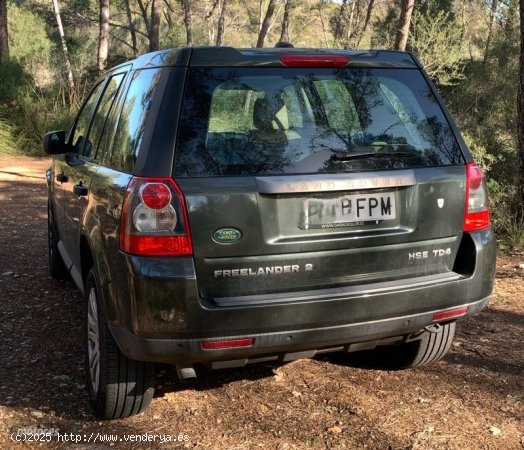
[(450, 313), (314, 60), (231, 343)]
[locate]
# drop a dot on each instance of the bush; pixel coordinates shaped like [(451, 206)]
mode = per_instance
[(508, 226), (13, 82), (26, 123)]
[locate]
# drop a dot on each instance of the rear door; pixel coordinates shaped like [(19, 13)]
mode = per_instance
[(70, 163), (301, 179), (82, 163)]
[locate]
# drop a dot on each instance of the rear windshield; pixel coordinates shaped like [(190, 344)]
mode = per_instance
[(269, 121)]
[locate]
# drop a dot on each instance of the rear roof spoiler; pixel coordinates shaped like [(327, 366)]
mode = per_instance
[(267, 57)]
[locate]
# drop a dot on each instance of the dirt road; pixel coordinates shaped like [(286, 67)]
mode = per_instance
[(474, 399)]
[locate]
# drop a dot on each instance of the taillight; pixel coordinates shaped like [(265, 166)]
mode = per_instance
[(325, 60), (154, 219), (477, 212)]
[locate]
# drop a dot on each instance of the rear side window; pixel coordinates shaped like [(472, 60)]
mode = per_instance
[(102, 112), (132, 122), (263, 121)]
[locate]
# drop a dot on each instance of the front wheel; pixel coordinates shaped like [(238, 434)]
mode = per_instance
[(118, 386)]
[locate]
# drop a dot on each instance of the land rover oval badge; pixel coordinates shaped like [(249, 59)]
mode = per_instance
[(226, 235)]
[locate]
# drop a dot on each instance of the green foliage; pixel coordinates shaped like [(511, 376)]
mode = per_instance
[(431, 7), (29, 43), (175, 37), (484, 104), (9, 145), (386, 28), (25, 115), (508, 226), (14, 89), (436, 39), (480, 153), (12, 82), (24, 124)]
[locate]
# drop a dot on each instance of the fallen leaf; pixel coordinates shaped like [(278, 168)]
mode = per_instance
[(263, 408), (495, 431)]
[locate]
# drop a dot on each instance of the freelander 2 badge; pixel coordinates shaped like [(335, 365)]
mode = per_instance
[(226, 235)]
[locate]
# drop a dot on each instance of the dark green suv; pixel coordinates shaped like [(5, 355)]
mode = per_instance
[(224, 206)]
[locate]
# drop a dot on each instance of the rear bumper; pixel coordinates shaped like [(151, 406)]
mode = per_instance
[(282, 345), (156, 314)]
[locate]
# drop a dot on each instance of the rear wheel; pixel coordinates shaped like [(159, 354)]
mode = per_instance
[(431, 346), (118, 386), (57, 268)]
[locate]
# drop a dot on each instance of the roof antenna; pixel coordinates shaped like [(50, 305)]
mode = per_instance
[(284, 44)]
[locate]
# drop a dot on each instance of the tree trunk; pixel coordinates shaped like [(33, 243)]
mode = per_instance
[(64, 46), (145, 15), (520, 109), (154, 32), (512, 19), (492, 22), (188, 22), (350, 30), (260, 14), (265, 23), (284, 34), (4, 43), (339, 25), (322, 23), (131, 28), (103, 37), (406, 9), (220, 27), (369, 11)]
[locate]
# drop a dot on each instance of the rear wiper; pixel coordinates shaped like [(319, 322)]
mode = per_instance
[(348, 156)]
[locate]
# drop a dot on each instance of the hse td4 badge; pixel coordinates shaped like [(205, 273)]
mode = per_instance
[(425, 254)]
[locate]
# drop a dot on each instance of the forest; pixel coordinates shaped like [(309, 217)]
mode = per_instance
[(51, 52)]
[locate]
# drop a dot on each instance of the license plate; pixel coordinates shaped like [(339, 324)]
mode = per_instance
[(348, 210)]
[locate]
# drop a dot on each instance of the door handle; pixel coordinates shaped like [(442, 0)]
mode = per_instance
[(61, 178), (80, 190)]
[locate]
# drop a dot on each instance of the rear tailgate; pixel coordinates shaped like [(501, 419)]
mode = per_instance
[(303, 179)]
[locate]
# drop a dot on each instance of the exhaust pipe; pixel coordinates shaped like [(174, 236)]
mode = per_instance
[(186, 373)]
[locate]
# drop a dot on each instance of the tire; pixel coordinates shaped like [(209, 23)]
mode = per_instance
[(118, 386), (430, 347), (57, 268)]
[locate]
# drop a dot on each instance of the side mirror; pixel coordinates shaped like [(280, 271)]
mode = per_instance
[(54, 142)]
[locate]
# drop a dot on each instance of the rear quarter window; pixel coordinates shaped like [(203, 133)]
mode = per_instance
[(133, 119)]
